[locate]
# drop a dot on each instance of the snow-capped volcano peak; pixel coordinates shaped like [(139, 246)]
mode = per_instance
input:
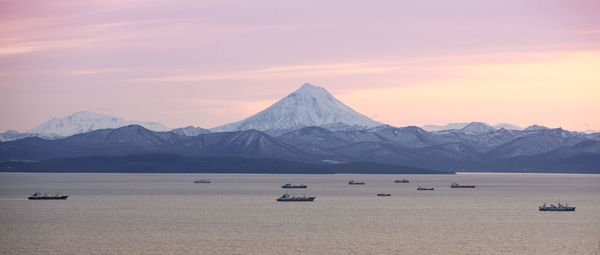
[(308, 106), (476, 128), (535, 127), (82, 122)]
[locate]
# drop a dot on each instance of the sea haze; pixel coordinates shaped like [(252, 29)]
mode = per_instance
[(238, 214)]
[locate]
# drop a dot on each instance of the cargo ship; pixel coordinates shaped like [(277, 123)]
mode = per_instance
[(421, 188), (201, 181), (402, 181), (384, 195)]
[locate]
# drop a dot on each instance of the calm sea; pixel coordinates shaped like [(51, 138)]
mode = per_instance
[(238, 214)]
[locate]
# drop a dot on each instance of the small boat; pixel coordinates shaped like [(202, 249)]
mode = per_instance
[(557, 208), (402, 181), (384, 195), (292, 186), (421, 188), (38, 196), (295, 198), (352, 182), (201, 181), (456, 185)]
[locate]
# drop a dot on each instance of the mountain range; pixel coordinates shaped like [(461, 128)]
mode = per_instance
[(77, 123), (460, 125), (307, 129)]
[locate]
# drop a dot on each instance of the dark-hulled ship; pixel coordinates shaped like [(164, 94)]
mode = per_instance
[(352, 182), (557, 208), (456, 185), (384, 195), (421, 188), (295, 198), (402, 181), (294, 186), (39, 196)]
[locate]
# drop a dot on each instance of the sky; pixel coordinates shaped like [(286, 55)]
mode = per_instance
[(208, 63)]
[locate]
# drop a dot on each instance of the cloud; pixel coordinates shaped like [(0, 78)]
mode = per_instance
[(278, 72)]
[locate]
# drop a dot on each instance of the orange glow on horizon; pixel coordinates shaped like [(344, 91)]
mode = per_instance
[(550, 92)]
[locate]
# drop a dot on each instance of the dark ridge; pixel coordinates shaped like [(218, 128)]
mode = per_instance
[(173, 163)]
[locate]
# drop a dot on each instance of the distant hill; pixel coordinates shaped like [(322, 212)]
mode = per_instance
[(172, 163)]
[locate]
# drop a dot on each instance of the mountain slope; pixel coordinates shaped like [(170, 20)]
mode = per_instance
[(135, 139), (11, 135), (536, 141), (190, 131), (308, 106)]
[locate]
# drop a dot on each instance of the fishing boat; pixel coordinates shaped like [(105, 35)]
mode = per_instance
[(39, 196), (352, 182), (294, 186), (557, 208), (456, 185), (295, 198)]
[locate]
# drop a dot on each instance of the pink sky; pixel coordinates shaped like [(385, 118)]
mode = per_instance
[(207, 63)]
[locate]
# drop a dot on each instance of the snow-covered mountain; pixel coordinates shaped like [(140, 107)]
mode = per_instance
[(82, 122), (11, 135), (535, 127), (308, 106), (460, 125), (477, 128), (190, 131)]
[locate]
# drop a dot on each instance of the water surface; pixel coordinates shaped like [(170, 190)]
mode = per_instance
[(238, 214)]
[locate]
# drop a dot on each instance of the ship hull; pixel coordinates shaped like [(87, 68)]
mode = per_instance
[(294, 187), (308, 199), (356, 183), (463, 187), (48, 198), (568, 209)]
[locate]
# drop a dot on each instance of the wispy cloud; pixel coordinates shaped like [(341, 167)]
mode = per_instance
[(32, 46), (284, 72)]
